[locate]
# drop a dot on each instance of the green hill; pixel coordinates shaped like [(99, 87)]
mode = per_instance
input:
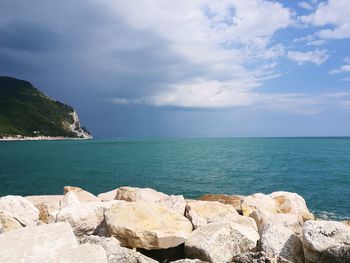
[(26, 111)]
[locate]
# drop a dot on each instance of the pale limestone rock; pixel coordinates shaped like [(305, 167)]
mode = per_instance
[(19, 208), (8, 223), (293, 203), (259, 257), (86, 253), (234, 200), (282, 241), (36, 244), (48, 206), (246, 221), (85, 218), (133, 194), (115, 253), (257, 201), (291, 221), (201, 213), (187, 260), (220, 242), (174, 202), (108, 196), (326, 241), (147, 225), (82, 195), (69, 199)]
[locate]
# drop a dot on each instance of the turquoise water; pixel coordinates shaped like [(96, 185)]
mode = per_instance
[(316, 168)]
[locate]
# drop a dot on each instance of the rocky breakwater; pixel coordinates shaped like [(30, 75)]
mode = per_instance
[(141, 225)]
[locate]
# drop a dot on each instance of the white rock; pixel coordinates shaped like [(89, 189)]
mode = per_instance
[(8, 223), (176, 203), (133, 194), (282, 241), (257, 201), (86, 253), (201, 213), (220, 242), (85, 218), (82, 195), (36, 244), (69, 199), (20, 209), (48, 206), (115, 253), (147, 225), (293, 203), (187, 260), (326, 241), (292, 221), (108, 196)]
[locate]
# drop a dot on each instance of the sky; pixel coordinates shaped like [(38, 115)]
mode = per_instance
[(199, 68)]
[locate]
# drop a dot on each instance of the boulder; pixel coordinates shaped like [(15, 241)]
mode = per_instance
[(259, 257), (86, 253), (257, 201), (82, 195), (19, 208), (35, 244), (133, 194), (108, 196), (176, 203), (292, 221), (85, 218), (282, 241), (187, 260), (115, 253), (201, 213), (220, 242), (48, 206), (234, 200), (8, 223), (147, 225), (326, 241), (293, 203), (69, 199)]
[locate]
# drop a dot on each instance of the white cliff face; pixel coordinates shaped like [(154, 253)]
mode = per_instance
[(75, 127)]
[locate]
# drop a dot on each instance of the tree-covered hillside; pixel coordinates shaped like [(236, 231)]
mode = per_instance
[(26, 111)]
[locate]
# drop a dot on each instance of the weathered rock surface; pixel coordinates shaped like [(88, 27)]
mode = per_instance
[(85, 218), (291, 221), (147, 225), (19, 208), (36, 243), (259, 257), (257, 201), (48, 206), (86, 253), (282, 241), (133, 194), (108, 196), (82, 195), (187, 260), (326, 241), (176, 203), (8, 223), (115, 253), (201, 213), (234, 200), (293, 203), (220, 242)]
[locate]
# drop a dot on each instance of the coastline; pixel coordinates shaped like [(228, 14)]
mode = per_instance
[(40, 138)]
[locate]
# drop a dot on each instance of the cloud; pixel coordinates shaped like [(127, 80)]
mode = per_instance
[(317, 57), (333, 14), (305, 5), (342, 69)]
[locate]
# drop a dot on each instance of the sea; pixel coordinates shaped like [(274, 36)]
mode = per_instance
[(316, 168)]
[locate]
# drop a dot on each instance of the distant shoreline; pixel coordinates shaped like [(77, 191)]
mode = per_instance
[(39, 138)]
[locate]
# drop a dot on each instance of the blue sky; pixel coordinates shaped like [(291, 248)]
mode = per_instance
[(155, 68)]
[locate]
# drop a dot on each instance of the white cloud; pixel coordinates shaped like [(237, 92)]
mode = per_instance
[(318, 42), (342, 69), (334, 13), (305, 5), (317, 57)]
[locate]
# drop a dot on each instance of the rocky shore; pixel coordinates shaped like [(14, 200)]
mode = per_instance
[(141, 225)]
